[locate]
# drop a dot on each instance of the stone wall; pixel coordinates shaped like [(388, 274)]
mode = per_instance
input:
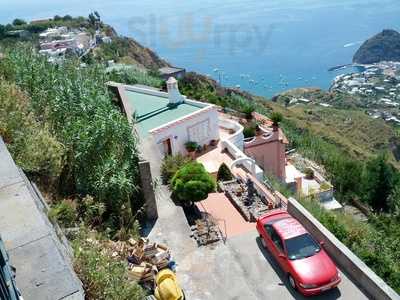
[(146, 181)]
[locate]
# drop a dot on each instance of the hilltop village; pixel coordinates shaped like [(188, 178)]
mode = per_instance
[(135, 179), (378, 88)]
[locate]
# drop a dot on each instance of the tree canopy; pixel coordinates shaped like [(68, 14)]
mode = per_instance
[(224, 173), (379, 180), (18, 22), (192, 183)]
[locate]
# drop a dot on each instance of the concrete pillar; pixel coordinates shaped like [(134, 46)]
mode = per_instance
[(146, 181), (299, 185)]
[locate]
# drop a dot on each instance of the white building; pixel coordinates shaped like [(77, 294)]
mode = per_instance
[(169, 120), (51, 33)]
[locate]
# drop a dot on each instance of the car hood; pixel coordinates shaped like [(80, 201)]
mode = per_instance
[(317, 269)]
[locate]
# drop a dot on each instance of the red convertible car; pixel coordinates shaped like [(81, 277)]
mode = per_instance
[(309, 269)]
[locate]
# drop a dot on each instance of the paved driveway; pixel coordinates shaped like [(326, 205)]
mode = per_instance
[(237, 270), (225, 214), (265, 278)]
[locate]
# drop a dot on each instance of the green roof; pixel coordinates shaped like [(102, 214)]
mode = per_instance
[(153, 111)]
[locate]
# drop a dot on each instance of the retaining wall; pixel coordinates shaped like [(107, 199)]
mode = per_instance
[(237, 137), (359, 272)]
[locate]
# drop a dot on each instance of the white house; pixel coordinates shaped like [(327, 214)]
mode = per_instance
[(168, 120)]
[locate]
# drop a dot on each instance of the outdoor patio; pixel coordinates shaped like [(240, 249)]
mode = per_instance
[(215, 156), (225, 214)]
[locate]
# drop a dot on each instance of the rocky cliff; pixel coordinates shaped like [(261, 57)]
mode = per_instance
[(384, 46), (127, 50)]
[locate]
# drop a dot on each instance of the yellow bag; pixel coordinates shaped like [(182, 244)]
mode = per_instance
[(167, 286)]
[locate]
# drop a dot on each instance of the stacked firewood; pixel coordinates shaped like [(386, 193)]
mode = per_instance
[(143, 257)]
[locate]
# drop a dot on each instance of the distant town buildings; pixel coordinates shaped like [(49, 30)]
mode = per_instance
[(41, 21), (56, 42), (378, 88), (18, 33)]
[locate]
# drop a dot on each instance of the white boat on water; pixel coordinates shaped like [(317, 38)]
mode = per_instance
[(351, 44)]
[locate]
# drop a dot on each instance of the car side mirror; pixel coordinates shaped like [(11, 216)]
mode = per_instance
[(282, 256), (322, 243)]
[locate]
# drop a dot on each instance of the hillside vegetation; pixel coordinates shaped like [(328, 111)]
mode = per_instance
[(128, 51), (351, 130), (64, 129), (92, 158), (33, 146), (121, 49)]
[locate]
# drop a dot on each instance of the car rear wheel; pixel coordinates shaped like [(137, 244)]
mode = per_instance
[(292, 282)]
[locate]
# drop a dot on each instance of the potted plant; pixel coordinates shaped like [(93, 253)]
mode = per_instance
[(276, 118), (214, 143), (191, 148), (199, 149), (258, 130), (309, 173), (248, 110)]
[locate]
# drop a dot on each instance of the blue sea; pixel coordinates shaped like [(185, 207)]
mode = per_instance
[(264, 47)]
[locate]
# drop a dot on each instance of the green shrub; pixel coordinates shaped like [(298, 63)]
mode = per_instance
[(224, 173), (103, 278), (379, 182), (132, 76), (191, 146), (31, 144), (18, 22), (64, 213), (249, 129), (171, 164), (249, 132), (91, 211), (328, 219), (309, 173), (276, 184), (192, 183)]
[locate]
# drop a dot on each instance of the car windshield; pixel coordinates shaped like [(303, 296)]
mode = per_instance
[(301, 246)]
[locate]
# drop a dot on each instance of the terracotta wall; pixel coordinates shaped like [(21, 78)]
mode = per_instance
[(269, 155)]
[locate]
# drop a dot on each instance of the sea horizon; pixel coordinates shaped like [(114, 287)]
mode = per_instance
[(263, 48)]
